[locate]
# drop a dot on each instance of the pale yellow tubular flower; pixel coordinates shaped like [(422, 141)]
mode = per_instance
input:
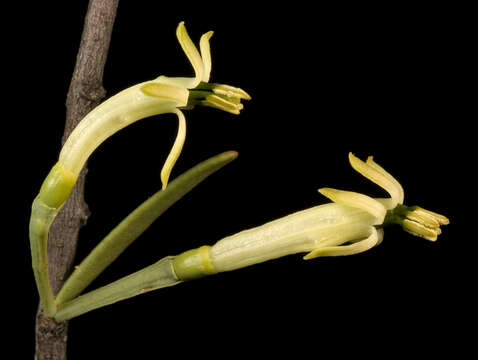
[(322, 226), (380, 177), (344, 227), (354, 199), (163, 95), (159, 96), (175, 150), (351, 224)]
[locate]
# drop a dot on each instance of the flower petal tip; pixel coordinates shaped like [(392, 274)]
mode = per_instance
[(375, 173), (208, 35)]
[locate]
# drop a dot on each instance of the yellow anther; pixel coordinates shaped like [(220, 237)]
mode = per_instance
[(420, 230), (230, 91), (422, 218), (223, 104), (443, 220)]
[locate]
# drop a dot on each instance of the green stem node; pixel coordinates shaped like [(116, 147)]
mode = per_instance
[(194, 264)]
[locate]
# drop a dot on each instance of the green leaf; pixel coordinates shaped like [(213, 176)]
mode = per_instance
[(136, 223)]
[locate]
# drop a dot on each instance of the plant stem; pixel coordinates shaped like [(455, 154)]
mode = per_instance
[(85, 93)]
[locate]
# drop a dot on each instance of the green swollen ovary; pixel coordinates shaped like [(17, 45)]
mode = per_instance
[(57, 187)]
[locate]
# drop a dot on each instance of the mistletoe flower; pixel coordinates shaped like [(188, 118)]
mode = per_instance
[(351, 224), (159, 96)]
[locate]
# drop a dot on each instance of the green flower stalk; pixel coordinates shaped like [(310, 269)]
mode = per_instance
[(159, 96), (351, 224)]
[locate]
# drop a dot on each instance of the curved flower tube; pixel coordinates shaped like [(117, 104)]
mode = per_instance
[(351, 224), (159, 96)]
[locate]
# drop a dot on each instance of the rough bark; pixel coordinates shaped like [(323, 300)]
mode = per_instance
[(86, 91)]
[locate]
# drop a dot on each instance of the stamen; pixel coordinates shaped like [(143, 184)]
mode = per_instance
[(422, 218), (420, 230), (230, 91), (221, 103), (223, 97), (443, 220)]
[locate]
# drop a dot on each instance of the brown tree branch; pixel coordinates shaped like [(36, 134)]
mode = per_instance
[(86, 91)]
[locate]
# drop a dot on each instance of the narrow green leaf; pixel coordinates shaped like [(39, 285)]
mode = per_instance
[(136, 223)]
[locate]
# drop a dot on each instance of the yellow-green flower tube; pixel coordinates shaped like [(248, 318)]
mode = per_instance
[(159, 96), (352, 224)]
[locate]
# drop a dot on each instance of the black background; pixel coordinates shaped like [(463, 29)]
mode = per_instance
[(324, 81)]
